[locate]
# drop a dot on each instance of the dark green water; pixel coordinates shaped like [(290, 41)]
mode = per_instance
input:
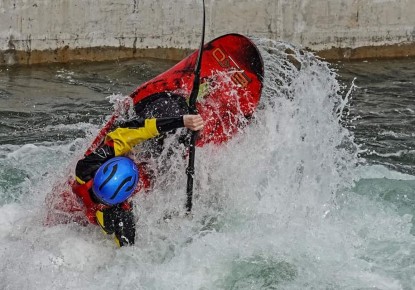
[(383, 110), (39, 97), (301, 211), (382, 106)]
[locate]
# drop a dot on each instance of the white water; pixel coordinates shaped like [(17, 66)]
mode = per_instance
[(273, 209)]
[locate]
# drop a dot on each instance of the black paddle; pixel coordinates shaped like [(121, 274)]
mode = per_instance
[(192, 106)]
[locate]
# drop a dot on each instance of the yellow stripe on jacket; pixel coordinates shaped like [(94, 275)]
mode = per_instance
[(126, 138)]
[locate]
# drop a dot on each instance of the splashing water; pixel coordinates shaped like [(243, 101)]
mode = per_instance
[(274, 208)]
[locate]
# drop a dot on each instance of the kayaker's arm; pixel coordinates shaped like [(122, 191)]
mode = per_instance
[(121, 140)]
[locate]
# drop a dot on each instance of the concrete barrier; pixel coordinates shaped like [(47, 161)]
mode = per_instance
[(36, 31)]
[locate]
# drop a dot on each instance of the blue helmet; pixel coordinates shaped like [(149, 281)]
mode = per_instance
[(115, 180)]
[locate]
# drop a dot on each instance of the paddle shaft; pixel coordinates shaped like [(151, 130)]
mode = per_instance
[(192, 106)]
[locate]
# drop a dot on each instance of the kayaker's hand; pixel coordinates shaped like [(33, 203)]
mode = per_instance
[(193, 122)]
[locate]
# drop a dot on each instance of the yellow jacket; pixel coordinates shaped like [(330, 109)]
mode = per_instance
[(126, 138)]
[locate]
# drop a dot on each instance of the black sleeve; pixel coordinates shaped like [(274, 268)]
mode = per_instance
[(125, 228), (162, 124), (167, 124), (138, 123), (121, 223), (86, 167)]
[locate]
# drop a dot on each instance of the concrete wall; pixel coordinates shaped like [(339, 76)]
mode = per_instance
[(33, 31)]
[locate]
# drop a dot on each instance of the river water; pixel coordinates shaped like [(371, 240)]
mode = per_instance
[(317, 193)]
